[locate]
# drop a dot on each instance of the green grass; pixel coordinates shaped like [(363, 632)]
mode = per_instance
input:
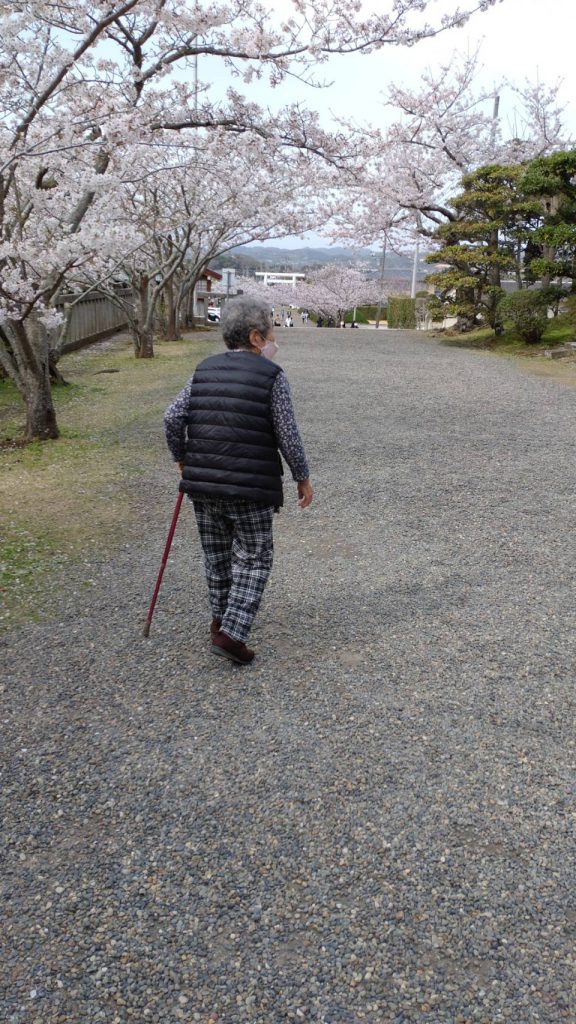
[(530, 357), (72, 498), (557, 332)]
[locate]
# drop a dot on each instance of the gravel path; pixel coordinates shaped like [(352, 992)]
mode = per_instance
[(375, 821)]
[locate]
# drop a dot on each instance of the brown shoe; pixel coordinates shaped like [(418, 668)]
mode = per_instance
[(234, 650), (215, 627)]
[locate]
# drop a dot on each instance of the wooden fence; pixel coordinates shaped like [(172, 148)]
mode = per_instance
[(92, 317)]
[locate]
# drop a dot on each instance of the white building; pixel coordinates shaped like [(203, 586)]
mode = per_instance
[(272, 277)]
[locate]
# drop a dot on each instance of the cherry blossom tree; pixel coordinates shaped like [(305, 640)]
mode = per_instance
[(281, 297), (335, 290), (444, 128), (255, 288), (253, 191), (82, 82), (198, 204)]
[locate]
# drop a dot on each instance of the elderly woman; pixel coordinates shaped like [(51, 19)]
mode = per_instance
[(225, 431)]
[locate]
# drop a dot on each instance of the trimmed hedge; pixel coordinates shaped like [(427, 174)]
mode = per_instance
[(402, 312)]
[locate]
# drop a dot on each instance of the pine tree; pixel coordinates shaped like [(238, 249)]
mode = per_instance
[(493, 219), (551, 182)]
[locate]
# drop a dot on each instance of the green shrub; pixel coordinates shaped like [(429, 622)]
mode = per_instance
[(553, 296), (365, 313), (402, 312), (528, 311), (436, 308)]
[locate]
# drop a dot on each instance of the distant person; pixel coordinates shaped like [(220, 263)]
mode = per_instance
[(289, 321), (353, 324), (224, 431), (320, 321)]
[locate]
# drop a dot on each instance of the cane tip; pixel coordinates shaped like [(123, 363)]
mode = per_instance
[(146, 630)]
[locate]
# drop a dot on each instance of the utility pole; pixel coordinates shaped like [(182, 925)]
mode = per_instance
[(494, 126), (416, 255), (415, 268), (381, 280)]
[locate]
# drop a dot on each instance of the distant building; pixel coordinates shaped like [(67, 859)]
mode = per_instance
[(203, 295), (273, 277)]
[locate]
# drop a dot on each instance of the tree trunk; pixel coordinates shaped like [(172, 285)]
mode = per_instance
[(187, 296), (549, 253), (55, 374), (40, 413), (28, 365), (143, 343), (173, 325), (142, 330), (518, 267)]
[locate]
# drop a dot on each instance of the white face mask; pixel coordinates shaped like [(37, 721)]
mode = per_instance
[(270, 349)]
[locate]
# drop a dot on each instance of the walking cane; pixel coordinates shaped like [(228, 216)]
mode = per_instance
[(146, 631)]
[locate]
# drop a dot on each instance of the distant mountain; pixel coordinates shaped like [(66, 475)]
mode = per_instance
[(247, 259)]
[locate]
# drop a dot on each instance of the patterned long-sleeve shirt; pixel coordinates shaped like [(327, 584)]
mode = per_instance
[(283, 418)]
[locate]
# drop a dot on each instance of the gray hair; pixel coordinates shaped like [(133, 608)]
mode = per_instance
[(242, 315)]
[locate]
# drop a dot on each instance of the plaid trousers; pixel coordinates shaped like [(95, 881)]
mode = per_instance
[(236, 538)]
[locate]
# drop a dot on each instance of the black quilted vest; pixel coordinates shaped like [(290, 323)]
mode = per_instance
[(231, 449)]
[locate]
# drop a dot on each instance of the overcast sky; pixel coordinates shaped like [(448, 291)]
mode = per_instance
[(519, 39)]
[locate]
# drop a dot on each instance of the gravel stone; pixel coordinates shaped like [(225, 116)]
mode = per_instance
[(374, 822)]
